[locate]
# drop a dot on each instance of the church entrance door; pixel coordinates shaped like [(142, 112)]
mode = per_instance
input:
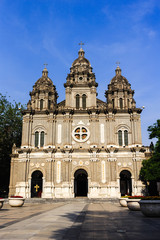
[(36, 184), (125, 183), (81, 183)]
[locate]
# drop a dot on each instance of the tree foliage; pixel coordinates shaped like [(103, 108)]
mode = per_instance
[(10, 132), (150, 171), (154, 132)]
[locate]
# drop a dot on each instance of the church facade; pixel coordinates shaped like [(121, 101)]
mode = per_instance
[(82, 146)]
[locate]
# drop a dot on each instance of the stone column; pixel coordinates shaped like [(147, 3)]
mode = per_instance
[(111, 128), (139, 136), (125, 100), (54, 132), (29, 187), (116, 100), (12, 180), (50, 130), (132, 128), (30, 131), (43, 187), (25, 130), (94, 118), (68, 92)]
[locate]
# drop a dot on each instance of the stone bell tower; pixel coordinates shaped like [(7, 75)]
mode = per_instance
[(42, 105), (81, 85), (119, 94), (120, 103), (44, 95)]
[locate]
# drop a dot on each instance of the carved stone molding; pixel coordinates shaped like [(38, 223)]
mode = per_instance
[(112, 159), (94, 159)]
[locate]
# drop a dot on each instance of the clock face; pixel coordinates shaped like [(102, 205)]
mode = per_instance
[(80, 134)]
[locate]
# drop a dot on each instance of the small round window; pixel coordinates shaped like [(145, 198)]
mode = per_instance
[(80, 134)]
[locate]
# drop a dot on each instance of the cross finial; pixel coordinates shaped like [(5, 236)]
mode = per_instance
[(117, 63), (81, 43), (45, 65)]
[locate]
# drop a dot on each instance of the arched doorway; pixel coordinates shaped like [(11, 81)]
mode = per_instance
[(125, 183), (36, 184), (81, 183)]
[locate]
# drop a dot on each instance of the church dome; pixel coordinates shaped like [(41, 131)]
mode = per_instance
[(119, 94), (43, 83), (81, 72), (119, 81), (81, 60), (44, 95)]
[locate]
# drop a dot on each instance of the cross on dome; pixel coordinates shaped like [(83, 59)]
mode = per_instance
[(45, 71), (45, 65), (118, 70), (81, 43), (81, 51)]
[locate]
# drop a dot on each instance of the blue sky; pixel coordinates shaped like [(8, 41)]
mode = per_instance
[(33, 32)]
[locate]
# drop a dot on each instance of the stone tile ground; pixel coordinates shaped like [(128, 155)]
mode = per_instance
[(76, 220)]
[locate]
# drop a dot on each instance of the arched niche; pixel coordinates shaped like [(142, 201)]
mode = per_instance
[(36, 184), (81, 183), (125, 183)]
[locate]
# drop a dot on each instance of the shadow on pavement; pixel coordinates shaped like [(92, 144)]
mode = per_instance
[(106, 224)]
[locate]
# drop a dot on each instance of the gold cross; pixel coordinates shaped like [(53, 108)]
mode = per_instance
[(36, 187), (81, 44), (45, 65)]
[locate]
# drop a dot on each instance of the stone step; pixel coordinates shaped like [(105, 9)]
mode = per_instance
[(67, 200)]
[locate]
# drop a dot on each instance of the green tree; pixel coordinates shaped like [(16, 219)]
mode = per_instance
[(154, 132), (10, 132), (150, 171)]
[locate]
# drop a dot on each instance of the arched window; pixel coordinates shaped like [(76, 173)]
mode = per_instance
[(128, 103), (41, 104), (42, 139), (123, 137), (36, 139), (113, 103), (39, 139), (77, 101), (120, 137), (84, 101), (121, 103), (126, 138), (49, 104)]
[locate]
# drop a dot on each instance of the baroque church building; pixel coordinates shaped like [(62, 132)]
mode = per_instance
[(81, 146)]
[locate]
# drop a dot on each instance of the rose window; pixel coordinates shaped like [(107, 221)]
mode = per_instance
[(80, 134)]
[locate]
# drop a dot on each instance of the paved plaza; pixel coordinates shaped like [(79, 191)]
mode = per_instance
[(76, 220)]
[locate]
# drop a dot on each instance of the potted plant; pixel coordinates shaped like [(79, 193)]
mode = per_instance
[(150, 206), (1, 202), (133, 203), (16, 201), (123, 201)]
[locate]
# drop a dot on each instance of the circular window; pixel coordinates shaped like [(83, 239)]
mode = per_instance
[(80, 134), (80, 78)]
